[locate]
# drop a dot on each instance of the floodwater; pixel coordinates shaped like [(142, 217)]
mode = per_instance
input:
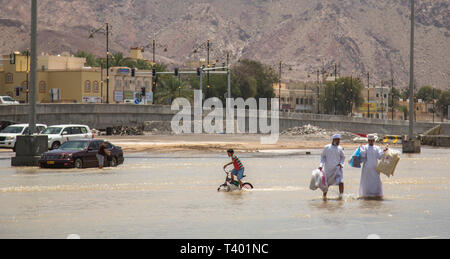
[(155, 195)]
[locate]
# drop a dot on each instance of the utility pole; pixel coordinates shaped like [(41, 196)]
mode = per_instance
[(29, 148), (411, 144), (411, 77), (335, 86), (368, 95), (352, 97), (318, 91), (279, 84), (392, 94), (107, 63), (154, 51), (28, 72), (33, 75)]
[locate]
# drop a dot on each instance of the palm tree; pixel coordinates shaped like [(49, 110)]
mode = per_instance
[(118, 60), (169, 89)]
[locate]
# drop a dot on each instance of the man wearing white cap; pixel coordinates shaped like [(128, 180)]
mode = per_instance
[(332, 163), (370, 186)]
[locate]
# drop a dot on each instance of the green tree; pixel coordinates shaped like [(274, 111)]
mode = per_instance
[(405, 111), (428, 93), (91, 59), (394, 95), (255, 79), (345, 93), (444, 102), (118, 60), (170, 88)]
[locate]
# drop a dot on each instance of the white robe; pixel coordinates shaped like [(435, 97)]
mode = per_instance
[(370, 185), (332, 162)]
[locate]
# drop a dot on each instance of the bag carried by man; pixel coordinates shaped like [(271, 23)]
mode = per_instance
[(356, 159), (318, 181), (388, 163)]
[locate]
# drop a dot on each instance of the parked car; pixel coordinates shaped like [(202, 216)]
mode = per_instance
[(5, 100), (59, 134), (80, 154), (128, 101), (8, 136)]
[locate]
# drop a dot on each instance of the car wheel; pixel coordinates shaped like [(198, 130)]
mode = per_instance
[(55, 145), (78, 163), (114, 162)]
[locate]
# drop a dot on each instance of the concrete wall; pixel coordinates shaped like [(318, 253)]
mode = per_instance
[(101, 116)]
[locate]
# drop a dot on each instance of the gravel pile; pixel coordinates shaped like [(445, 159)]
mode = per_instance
[(128, 131), (315, 132), (304, 130)]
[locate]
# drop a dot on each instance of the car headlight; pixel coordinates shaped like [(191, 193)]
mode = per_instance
[(66, 156), (10, 138)]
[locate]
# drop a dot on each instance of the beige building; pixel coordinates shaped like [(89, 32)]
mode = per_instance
[(123, 86), (65, 79), (298, 96), (60, 79), (377, 98)]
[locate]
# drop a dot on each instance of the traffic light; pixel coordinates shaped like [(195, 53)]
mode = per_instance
[(12, 59), (133, 72), (176, 72), (153, 72), (198, 71)]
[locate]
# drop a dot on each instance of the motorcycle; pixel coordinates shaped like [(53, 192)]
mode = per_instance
[(230, 186)]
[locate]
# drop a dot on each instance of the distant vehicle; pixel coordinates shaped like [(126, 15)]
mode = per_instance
[(129, 101), (80, 154), (60, 134), (8, 136), (7, 100)]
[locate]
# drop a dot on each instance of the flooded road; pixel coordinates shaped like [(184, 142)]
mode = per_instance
[(155, 195)]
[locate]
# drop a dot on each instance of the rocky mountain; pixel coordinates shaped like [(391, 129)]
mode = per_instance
[(360, 35)]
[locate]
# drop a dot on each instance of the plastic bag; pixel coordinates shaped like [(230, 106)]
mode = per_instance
[(388, 163), (318, 181), (356, 159)]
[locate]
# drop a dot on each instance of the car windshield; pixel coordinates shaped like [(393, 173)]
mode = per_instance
[(8, 99), (12, 129), (74, 145), (52, 131)]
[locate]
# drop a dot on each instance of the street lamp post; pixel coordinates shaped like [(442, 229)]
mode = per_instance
[(368, 95), (318, 91), (392, 94), (279, 84), (104, 29)]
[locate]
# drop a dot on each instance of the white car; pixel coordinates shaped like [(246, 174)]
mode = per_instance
[(59, 134), (8, 136), (5, 100)]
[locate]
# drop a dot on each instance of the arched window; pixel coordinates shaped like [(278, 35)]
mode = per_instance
[(87, 86), (96, 88), (42, 87)]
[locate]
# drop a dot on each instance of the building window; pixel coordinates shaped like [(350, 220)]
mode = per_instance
[(96, 88), (42, 87), (87, 86), (9, 78)]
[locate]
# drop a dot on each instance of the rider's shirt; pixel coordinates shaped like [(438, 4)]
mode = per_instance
[(237, 163)]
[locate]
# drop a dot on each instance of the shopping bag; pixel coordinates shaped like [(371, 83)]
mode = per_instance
[(318, 181), (388, 163), (355, 161)]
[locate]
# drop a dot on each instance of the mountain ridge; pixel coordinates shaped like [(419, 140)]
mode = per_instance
[(360, 35)]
